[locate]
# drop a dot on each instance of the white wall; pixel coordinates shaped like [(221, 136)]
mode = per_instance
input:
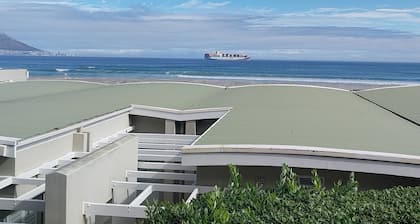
[(38, 154), (13, 75), (106, 128), (35, 155), (269, 175), (274, 157), (88, 180), (7, 166)]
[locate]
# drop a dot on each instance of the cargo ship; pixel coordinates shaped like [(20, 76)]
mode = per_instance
[(226, 56)]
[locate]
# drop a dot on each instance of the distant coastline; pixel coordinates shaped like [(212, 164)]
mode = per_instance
[(32, 53), (12, 47)]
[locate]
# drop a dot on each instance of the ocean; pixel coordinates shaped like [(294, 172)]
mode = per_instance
[(374, 73)]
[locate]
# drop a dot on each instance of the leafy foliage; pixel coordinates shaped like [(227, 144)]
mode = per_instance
[(288, 202)]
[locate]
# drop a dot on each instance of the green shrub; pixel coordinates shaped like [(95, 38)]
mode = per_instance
[(288, 202)]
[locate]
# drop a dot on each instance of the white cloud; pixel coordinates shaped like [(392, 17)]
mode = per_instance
[(357, 13), (201, 5), (407, 20), (116, 52), (62, 3), (390, 10), (93, 9), (70, 4), (174, 17)]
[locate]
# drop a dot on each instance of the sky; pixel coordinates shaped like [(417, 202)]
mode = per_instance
[(357, 30)]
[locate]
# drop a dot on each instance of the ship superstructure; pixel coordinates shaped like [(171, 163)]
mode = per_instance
[(226, 56)]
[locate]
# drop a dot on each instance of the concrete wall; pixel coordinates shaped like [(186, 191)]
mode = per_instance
[(106, 128), (219, 175), (143, 124), (13, 75), (34, 156), (170, 127), (190, 127), (81, 142), (29, 157), (7, 166), (87, 180)]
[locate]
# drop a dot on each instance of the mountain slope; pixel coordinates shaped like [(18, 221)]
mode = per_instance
[(10, 44)]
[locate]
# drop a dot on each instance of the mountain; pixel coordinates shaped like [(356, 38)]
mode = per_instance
[(13, 47), (9, 44)]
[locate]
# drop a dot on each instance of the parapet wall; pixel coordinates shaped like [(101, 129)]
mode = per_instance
[(88, 179), (38, 154), (106, 128), (13, 75)]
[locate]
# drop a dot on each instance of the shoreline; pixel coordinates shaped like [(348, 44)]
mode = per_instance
[(219, 82)]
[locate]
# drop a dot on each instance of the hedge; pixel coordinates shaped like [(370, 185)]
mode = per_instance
[(288, 202)]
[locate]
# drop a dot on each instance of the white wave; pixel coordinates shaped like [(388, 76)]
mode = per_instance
[(91, 67), (62, 69), (309, 80)]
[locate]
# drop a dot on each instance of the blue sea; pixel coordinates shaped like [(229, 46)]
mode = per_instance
[(254, 70)]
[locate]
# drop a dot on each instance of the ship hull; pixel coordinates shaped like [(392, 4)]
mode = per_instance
[(227, 58)]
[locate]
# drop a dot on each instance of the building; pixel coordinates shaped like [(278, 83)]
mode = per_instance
[(79, 152), (13, 75)]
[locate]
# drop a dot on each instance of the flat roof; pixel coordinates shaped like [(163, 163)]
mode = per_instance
[(404, 101), (305, 116), (269, 114), (26, 116), (10, 91)]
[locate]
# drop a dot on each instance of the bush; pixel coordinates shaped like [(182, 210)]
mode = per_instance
[(288, 202)]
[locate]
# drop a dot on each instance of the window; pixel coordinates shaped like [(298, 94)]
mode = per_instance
[(180, 127), (203, 125), (144, 124)]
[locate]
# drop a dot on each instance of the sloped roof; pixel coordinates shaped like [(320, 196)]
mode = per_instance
[(404, 101), (269, 114), (53, 107), (305, 116)]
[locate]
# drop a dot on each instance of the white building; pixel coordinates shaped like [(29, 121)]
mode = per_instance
[(77, 152)]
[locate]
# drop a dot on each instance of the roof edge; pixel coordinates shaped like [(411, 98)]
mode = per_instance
[(171, 82), (64, 130), (12, 141), (288, 85), (68, 80), (303, 150), (179, 115), (388, 87)]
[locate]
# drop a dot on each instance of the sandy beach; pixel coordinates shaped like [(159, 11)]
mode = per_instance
[(220, 82)]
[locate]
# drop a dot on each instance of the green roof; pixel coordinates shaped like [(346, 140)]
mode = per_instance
[(292, 115), (278, 115), (29, 116), (30, 89), (404, 101)]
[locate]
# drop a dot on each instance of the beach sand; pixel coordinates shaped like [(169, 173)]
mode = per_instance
[(220, 82)]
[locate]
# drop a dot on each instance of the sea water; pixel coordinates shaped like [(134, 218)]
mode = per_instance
[(254, 70)]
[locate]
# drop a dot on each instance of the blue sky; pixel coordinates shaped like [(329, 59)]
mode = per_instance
[(357, 30)]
